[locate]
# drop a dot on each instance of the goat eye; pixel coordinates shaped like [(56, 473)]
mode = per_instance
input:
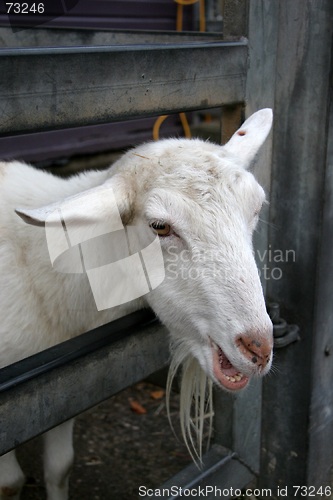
[(161, 228)]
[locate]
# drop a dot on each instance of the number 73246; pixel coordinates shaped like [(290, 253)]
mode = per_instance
[(25, 8)]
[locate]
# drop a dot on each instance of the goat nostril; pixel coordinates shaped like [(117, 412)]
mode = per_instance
[(258, 352)]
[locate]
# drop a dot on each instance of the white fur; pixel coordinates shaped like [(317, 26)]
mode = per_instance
[(211, 292)]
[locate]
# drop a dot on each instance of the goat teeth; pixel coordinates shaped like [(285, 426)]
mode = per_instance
[(240, 375), (238, 378), (215, 346), (228, 377), (232, 379)]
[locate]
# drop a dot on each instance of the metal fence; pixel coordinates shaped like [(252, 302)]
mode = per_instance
[(281, 67)]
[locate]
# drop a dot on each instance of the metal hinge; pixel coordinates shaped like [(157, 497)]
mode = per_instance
[(283, 333)]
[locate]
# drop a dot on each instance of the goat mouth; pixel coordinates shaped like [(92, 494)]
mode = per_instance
[(228, 376)]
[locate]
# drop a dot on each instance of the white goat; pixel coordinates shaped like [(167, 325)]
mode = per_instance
[(203, 205)]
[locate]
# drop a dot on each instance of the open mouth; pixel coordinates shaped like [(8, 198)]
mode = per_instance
[(228, 376)]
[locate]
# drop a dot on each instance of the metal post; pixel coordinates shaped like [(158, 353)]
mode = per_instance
[(300, 390), (238, 417)]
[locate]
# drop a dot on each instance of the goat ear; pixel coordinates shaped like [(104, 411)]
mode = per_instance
[(246, 141), (86, 215), (81, 219)]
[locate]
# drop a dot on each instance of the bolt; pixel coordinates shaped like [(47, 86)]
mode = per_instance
[(274, 312)]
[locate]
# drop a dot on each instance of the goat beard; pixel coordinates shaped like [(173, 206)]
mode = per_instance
[(196, 400), (196, 392)]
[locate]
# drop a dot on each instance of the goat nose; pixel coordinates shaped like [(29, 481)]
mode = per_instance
[(256, 349)]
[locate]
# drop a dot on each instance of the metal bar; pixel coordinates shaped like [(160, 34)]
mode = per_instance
[(51, 88), (65, 352), (43, 391), (220, 475), (320, 459), (296, 210), (237, 423), (67, 37)]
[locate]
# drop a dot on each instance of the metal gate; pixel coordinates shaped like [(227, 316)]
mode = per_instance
[(285, 64)]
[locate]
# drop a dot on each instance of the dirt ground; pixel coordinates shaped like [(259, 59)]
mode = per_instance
[(116, 449)]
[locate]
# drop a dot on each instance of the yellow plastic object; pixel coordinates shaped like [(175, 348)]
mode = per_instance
[(161, 119), (181, 3)]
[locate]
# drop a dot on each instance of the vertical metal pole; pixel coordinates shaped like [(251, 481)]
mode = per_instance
[(297, 234), (320, 460), (238, 417)]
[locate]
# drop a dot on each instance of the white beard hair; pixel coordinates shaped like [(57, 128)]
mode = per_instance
[(196, 400)]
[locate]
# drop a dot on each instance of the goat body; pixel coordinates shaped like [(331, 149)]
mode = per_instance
[(181, 213)]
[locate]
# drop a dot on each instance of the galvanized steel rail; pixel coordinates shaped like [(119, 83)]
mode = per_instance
[(52, 386), (52, 88)]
